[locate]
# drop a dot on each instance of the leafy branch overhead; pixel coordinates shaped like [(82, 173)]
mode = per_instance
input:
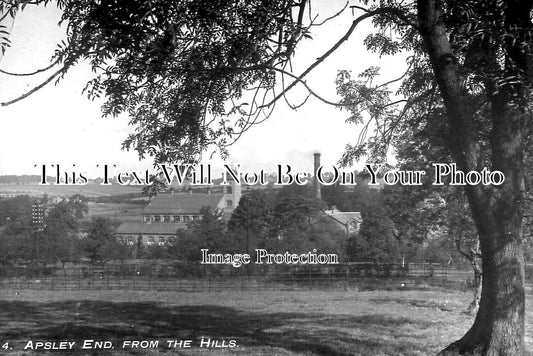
[(181, 69), (189, 74)]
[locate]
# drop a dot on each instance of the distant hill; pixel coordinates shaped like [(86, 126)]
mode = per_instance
[(13, 185), (25, 179)]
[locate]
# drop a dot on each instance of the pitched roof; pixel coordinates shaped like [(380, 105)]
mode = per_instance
[(344, 217), (181, 203), (135, 228)]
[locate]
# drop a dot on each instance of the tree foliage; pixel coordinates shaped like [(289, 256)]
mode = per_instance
[(252, 220), (59, 240), (100, 242), (286, 219), (208, 232), (15, 213), (173, 67), (375, 241), (360, 198)]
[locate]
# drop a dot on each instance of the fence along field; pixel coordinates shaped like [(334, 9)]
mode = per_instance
[(195, 278), (90, 302)]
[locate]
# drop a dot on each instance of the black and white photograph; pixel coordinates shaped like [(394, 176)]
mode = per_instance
[(266, 177)]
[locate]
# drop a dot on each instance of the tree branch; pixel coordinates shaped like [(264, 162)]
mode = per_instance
[(343, 39), (332, 17), (297, 80), (31, 73), (23, 96)]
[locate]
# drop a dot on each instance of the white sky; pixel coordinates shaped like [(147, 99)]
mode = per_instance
[(59, 125)]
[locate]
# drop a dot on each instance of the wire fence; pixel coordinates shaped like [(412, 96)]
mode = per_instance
[(194, 278)]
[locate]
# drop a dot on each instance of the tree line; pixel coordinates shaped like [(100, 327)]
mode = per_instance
[(59, 239), (398, 224)]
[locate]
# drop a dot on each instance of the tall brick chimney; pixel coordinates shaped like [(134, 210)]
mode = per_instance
[(318, 194)]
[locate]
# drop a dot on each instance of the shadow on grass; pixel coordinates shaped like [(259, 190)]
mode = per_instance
[(443, 306), (315, 334)]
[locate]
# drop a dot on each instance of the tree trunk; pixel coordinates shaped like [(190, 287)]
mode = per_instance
[(478, 278), (498, 329), (473, 255)]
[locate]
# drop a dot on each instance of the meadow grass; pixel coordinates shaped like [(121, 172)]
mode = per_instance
[(340, 322)]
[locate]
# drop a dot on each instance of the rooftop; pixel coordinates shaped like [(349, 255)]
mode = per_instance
[(178, 203), (344, 216), (142, 228)]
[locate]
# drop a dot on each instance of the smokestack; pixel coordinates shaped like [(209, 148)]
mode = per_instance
[(318, 194)]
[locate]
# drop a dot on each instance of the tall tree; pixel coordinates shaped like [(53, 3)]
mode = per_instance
[(471, 72), (15, 213), (252, 219), (208, 232), (360, 198), (100, 240), (375, 242), (181, 68), (59, 241), (20, 235)]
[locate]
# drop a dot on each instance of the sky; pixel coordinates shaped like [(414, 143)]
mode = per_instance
[(58, 125)]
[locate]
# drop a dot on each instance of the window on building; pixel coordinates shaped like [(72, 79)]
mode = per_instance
[(177, 218), (229, 203), (157, 218), (150, 240), (352, 226), (195, 218), (166, 218), (186, 218), (230, 190)]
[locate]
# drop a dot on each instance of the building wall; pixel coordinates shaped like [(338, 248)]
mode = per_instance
[(232, 196), (228, 202), (146, 239), (169, 218)]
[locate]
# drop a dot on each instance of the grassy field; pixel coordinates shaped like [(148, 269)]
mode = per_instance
[(115, 211), (259, 323)]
